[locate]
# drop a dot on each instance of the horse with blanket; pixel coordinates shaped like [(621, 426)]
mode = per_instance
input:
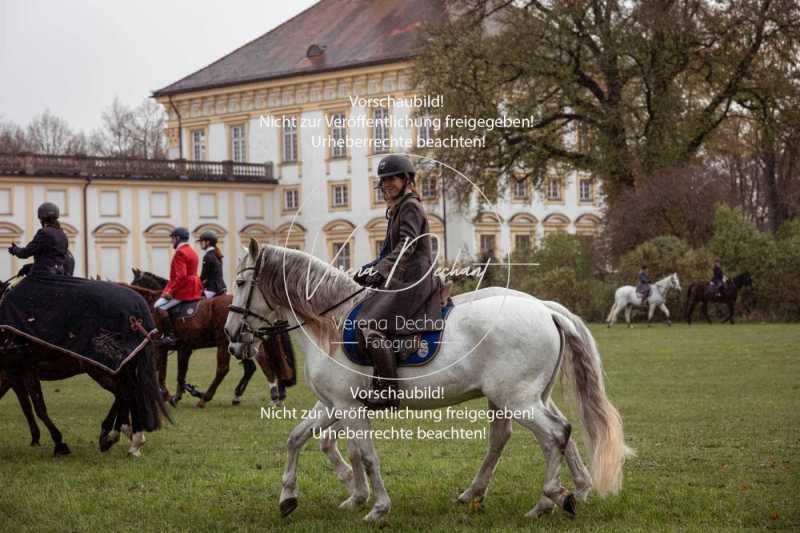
[(53, 327), (205, 328)]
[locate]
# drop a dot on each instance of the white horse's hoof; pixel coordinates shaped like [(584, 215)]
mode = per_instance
[(542, 508), (352, 503), (127, 431), (277, 404), (470, 496), (582, 493), (376, 514), (236, 400)]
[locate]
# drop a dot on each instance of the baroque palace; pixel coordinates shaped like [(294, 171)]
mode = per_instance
[(246, 158)]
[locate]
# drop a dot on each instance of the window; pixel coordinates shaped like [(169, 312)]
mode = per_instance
[(428, 187), (199, 145), (522, 243), (434, 246), (159, 204), (291, 199), (58, 197), (339, 195), (109, 203), (519, 189), (487, 243), (207, 205), (238, 144), (342, 260), (252, 206), (586, 190), (6, 206), (289, 139), (338, 134), (553, 190), (376, 193), (380, 130), (425, 130), (378, 247)]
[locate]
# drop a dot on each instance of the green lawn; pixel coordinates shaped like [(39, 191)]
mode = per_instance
[(714, 413)]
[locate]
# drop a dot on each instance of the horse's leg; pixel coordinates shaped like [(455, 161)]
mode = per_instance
[(664, 310), (690, 307), (249, 369), (34, 388), (360, 493), (499, 433), (24, 400), (552, 431), (580, 474), (272, 387), (317, 419), (628, 309), (704, 309), (184, 354), (109, 432), (731, 307), (223, 362), (327, 445), (161, 363), (650, 311), (372, 465)]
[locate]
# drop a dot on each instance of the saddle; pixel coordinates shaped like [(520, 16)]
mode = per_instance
[(184, 311), (412, 350)]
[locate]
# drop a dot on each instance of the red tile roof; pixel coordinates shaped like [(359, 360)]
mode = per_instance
[(351, 32)]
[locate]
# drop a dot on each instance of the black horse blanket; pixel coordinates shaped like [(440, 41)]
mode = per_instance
[(100, 323)]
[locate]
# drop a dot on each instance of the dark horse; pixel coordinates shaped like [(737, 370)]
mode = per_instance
[(137, 399), (699, 292), (205, 330)]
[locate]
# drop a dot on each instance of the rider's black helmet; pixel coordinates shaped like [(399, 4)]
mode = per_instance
[(181, 233), (48, 211), (209, 236), (392, 165)]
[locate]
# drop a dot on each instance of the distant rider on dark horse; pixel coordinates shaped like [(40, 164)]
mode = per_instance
[(643, 288), (49, 246), (405, 259), (183, 285), (211, 273), (718, 280)]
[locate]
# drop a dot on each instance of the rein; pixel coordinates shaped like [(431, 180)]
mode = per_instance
[(280, 326)]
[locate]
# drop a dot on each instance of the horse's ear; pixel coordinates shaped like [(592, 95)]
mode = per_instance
[(253, 248), (135, 271)]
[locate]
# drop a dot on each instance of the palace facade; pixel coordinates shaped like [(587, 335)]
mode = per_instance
[(280, 140)]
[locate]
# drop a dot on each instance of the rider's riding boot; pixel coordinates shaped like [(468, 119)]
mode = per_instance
[(168, 337), (384, 391)]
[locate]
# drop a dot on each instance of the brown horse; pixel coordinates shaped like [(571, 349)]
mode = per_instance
[(206, 329), (137, 399), (699, 293)]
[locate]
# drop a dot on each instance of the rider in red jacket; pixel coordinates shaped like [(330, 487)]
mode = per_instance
[(184, 284)]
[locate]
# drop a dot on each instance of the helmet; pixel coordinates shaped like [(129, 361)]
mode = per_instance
[(209, 236), (393, 165), (48, 210), (181, 233)]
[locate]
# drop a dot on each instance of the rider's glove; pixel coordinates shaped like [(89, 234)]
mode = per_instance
[(13, 249), (25, 270), (374, 280)]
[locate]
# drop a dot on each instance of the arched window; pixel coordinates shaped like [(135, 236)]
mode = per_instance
[(9, 264), (159, 249), (555, 223), (291, 235), (436, 228), (218, 230), (259, 232), (111, 247), (487, 233), (376, 229), (587, 225), (340, 241), (523, 232)]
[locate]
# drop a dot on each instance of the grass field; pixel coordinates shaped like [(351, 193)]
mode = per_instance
[(714, 413)]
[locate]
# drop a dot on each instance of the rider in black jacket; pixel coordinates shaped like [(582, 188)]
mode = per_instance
[(49, 246), (211, 273)]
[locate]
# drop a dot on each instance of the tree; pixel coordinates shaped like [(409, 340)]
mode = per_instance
[(619, 89), (12, 138), (137, 132), (51, 135)]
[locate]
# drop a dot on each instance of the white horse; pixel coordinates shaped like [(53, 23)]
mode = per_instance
[(513, 362), (626, 298)]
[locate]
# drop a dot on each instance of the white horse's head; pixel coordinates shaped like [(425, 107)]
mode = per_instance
[(674, 282), (249, 310)]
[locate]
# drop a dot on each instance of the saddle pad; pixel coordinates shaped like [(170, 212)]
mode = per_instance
[(184, 310), (429, 342)]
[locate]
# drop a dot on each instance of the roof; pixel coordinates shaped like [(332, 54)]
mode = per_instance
[(350, 33)]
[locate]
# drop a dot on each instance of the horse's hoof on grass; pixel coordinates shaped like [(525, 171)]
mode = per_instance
[(541, 509), (287, 506), (352, 503), (61, 449), (236, 400), (200, 403), (35, 442), (108, 439), (570, 505), (376, 515)]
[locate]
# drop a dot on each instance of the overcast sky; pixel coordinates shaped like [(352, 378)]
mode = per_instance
[(75, 56)]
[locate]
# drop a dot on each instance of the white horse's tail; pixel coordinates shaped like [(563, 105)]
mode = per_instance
[(601, 420), (611, 312)]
